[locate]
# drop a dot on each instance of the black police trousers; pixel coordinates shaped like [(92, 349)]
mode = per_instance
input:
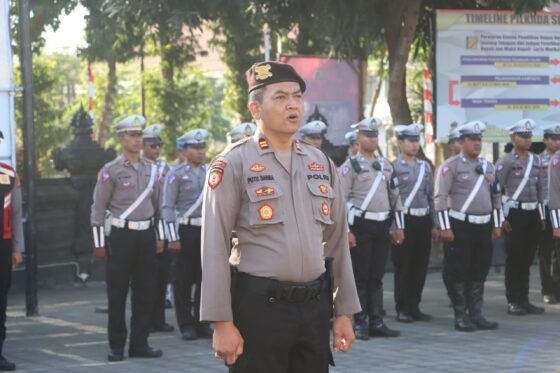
[(131, 263), (162, 278), (369, 259), (281, 336), (186, 273), (521, 246), (546, 245), (411, 262), (469, 256), (5, 280)]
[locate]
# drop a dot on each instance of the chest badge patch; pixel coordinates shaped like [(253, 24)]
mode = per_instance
[(256, 167), (444, 170), (315, 167), (215, 178), (266, 212), (324, 189), (325, 209), (265, 191)]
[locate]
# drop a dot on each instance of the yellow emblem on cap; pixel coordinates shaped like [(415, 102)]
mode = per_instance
[(263, 72)]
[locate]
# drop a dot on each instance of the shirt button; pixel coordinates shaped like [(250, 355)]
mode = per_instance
[(272, 299)]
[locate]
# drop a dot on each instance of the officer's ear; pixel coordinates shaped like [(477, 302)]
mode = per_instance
[(254, 110)]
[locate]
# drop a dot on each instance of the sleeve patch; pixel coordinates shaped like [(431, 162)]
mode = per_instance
[(105, 176), (444, 170), (171, 178), (215, 178)]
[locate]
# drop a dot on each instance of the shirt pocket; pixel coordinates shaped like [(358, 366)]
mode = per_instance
[(322, 195), (264, 204)]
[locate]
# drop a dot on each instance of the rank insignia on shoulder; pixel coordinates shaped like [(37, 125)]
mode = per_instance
[(266, 212), (298, 146), (256, 167), (105, 175), (215, 178), (265, 191), (315, 167), (325, 209), (263, 143), (324, 189)]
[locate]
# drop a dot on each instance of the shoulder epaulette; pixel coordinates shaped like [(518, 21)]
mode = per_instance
[(355, 165)]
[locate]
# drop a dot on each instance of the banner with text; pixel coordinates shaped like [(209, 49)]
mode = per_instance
[(497, 67)]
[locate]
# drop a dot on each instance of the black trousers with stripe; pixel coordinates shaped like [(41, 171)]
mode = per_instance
[(5, 280)]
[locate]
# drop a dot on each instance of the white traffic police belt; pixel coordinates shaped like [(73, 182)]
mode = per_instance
[(197, 222), (417, 212), (474, 219), (368, 215), (140, 225)]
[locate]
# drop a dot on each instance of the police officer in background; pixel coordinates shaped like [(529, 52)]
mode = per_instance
[(554, 196), (370, 186), (151, 150), (411, 259), (128, 187), (454, 142), (182, 204), (11, 244), (550, 287), (282, 198), (240, 132), (468, 205), (353, 147), (520, 174), (313, 132)]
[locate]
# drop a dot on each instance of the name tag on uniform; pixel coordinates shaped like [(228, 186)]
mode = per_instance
[(4, 179)]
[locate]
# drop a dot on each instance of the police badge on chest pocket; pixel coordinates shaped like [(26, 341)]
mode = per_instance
[(322, 195), (264, 205)]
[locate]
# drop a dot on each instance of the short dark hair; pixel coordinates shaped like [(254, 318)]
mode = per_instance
[(256, 95)]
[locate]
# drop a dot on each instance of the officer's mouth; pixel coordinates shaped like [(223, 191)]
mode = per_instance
[(293, 118)]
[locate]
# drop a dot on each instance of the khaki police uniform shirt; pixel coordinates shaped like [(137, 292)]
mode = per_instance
[(545, 160), (286, 223), (183, 186), (118, 185), (510, 170), (554, 182), (357, 184), (456, 180), (408, 174)]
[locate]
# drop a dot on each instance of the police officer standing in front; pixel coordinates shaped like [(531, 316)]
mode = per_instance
[(520, 174), (313, 132), (182, 203), (11, 244), (370, 186), (469, 215), (151, 150), (411, 259), (283, 199), (128, 187), (550, 287)]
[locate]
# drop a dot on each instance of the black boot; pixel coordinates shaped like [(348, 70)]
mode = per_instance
[(360, 318), (531, 308), (377, 327), (475, 299), (5, 365), (462, 321)]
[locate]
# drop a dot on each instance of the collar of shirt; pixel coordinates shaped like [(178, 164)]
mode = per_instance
[(263, 146)]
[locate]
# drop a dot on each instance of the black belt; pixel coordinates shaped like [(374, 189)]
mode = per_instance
[(282, 290)]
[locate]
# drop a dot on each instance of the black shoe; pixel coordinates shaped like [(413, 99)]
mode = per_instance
[(550, 299), (165, 328), (361, 330), (464, 324), (418, 315), (379, 329), (145, 352), (482, 324), (168, 304), (532, 309), (115, 355), (404, 317), (189, 334), (204, 331), (516, 309), (5, 365)]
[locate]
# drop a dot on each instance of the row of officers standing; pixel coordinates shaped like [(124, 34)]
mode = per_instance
[(146, 221), (151, 213)]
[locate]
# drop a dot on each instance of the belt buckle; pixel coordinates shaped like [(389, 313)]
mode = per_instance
[(134, 225)]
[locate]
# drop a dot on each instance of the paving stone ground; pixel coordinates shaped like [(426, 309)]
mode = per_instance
[(68, 336)]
